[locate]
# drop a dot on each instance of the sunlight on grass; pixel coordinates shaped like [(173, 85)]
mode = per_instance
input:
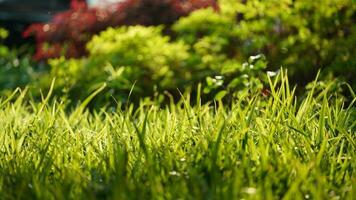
[(257, 148)]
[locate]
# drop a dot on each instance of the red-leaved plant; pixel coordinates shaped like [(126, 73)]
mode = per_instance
[(68, 32)]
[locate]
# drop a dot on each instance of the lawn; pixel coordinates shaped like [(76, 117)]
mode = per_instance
[(271, 146)]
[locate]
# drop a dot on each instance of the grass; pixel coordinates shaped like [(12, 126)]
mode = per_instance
[(275, 147)]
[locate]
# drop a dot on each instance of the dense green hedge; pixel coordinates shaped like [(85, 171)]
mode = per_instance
[(302, 36)]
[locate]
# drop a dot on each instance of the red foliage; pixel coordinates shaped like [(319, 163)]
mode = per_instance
[(69, 31)]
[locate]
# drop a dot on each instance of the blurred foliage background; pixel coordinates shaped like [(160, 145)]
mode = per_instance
[(225, 48)]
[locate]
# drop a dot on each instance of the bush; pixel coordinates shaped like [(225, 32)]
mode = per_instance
[(300, 35), (210, 36), (128, 57), (69, 31), (214, 54)]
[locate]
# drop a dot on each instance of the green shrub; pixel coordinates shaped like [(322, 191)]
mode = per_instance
[(212, 37), (302, 36), (126, 58), (214, 53)]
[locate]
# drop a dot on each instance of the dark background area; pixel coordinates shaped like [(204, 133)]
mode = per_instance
[(16, 15)]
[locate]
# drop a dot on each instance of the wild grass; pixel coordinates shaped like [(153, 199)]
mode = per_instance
[(275, 147)]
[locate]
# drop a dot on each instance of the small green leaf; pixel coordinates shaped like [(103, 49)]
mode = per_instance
[(220, 95), (209, 81)]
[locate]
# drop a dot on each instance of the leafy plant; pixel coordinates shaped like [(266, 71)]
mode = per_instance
[(215, 55), (242, 80), (300, 35), (128, 58)]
